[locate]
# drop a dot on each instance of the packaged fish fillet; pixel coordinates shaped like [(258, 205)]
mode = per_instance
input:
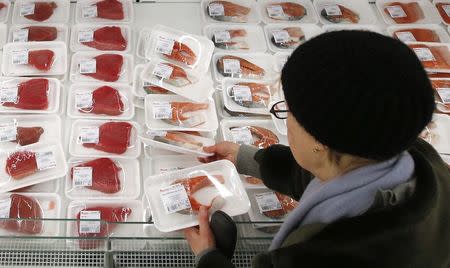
[(100, 37), (419, 33), (104, 138), (224, 112), (443, 8), (286, 37), (280, 124), (29, 95), (38, 33), (30, 165), (141, 88), (104, 11), (435, 57), (296, 11), (230, 11), (43, 187), (101, 67), (408, 12), (229, 37), (34, 59), (169, 163), (442, 94), (5, 7), (184, 49), (41, 11), (437, 133), (100, 101), (352, 27), (26, 213), (345, 12), (143, 41), (175, 197), (179, 80)]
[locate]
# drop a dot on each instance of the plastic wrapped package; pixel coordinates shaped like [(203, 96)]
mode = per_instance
[(104, 11), (435, 57), (38, 33), (230, 37), (43, 187), (5, 7), (224, 112), (41, 11), (100, 219), (32, 209), (442, 94), (168, 163), (142, 88), (151, 231), (102, 178), (100, 37), (419, 33), (101, 67), (175, 197), (29, 95), (286, 37), (34, 59), (345, 12), (142, 43), (101, 138), (100, 101), (160, 74), (172, 112), (437, 133), (443, 8), (186, 50), (230, 11), (297, 11), (408, 11)]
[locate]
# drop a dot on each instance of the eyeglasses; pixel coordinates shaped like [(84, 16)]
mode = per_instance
[(279, 110)]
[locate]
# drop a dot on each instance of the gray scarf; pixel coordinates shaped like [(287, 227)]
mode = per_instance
[(346, 196)]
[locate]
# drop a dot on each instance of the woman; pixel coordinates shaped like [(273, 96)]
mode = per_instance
[(371, 194)]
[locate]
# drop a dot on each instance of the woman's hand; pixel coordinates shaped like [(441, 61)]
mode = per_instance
[(200, 238), (222, 150)]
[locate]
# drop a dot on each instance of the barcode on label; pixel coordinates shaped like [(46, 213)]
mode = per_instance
[(216, 9), (89, 135), (174, 198), (165, 45), (45, 160), (27, 9), (280, 36), (241, 135), (396, 12), (89, 12), (267, 201), (242, 93), (162, 110), (20, 56), (20, 35), (85, 36), (444, 94), (8, 131), (275, 11), (82, 176), (405, 36), (333, 10), (231, 66), (88, 66), (83, 100), (8, 94), (163, 70), (222, 36), (91, 227), (424, 54)]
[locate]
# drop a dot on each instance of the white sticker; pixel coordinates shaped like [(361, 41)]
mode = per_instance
[(333, 10), (90, 227), (169, 169), (8, 131), (89, 12), (396, 12), (88, 66), (275, 11), (163, 71), (424, 54), (280, 36), (444, 93), (162, 110), (216, 9), (20, 35), (267, 201), (20, 56), (45, 160), (446, 9), (242, 93), (156, 133), (85, 36), (89, 135), (446, 158), (241, 135), (8, 94), (164, 45), (174, 198), (405, 36), (5, 207), (222, 36), (82, 176), (231, 66), (27, 9), (83, 99)]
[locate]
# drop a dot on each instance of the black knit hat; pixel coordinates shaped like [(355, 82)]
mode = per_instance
[(359, 93)]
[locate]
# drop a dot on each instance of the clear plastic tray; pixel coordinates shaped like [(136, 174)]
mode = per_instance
[(430, 14), (124, 75), (83, 90), (255, 214), (195, 50), (181, 81), (352, 27), (167, 163), (443, 8), (123, 183), (52, 98), (277, 13), (20, 33), (86, 13), (229, 197), (242, 38), (249, 13), (40, 11), (84, 33), (16, 59), (283, 39), (76, 148), (362, 10), (437, 133), (200, 120), (407, 33), (48, 164), (4, 12), (142, 43), (435, 57)]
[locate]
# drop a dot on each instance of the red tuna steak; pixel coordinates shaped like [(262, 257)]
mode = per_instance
[(24, 207), (107, 214), (41, 33), (2, 5), (105, 175), (105, 100), (114, 137), (110, 9), (21, 164), (108, 67), (42, 11), (108, 38), (28, 135), (31, 95), (41, 59)]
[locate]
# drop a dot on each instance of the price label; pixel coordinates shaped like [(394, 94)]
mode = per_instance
[(162, 110), (89, 135), (333, 10), (424, 54), (27, 9), (280, 36), (446, 9), (85, 36), (88, 66), (174, 198), (5, 207), (20, 35), (163, 71), (8, 94), (45, 160), (231, 66), (406, 37), (165, 45), (242, 93), (444, 94), (89, 12), (396, 12), (20, 56), (83, 100), (267, 201), (275, 11), (241, 135), (216, 9), (8, 131), (222, 36), (82, 176), (90, 227), (156, 133)]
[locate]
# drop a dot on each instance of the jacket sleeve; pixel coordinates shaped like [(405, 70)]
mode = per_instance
[(214, 259)]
